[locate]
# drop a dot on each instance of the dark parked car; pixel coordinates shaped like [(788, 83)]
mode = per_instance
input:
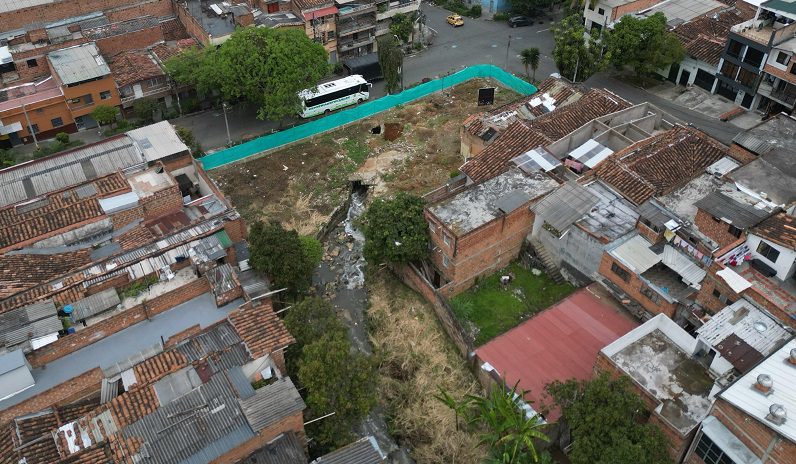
[(519, 21)]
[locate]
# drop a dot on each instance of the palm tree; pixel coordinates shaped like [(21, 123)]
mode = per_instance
[(530, 58), (507, 429)]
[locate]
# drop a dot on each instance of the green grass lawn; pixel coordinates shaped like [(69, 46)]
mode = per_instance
[(490, 309)]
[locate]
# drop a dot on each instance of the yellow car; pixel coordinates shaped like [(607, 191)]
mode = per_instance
[(455, 20)]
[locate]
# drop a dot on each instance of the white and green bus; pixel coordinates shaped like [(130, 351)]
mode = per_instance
[(332, 95)]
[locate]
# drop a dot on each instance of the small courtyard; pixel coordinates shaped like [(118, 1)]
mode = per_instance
[(490, 308)]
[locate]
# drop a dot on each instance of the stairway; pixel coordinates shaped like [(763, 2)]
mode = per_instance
[(547, 260)]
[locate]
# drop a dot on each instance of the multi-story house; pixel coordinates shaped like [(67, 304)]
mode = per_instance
[(755, 67), (320, 23), (356, 28)]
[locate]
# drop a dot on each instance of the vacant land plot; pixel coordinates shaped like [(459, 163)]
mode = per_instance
[(416, 358), (489, 308), (302, 184)]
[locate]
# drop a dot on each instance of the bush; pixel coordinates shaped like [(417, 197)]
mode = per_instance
[(312, 249), (502, 16), (62, 137), (144, 109), (475, 12)]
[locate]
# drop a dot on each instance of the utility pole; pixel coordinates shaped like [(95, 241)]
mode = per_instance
[(575, 76), (30, 127), (507, 53), (226, 123)]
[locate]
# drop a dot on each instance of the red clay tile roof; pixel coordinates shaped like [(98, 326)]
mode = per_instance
[(704, 37), (559, 89), (495, 158), (522, 136), (19, 272), (560, 343), (133, 405), (660, 164), (75, 411), (134, 66), (260, 329), (158, 366), (62, 209), (780, 229), (94, 455), (29, 431)]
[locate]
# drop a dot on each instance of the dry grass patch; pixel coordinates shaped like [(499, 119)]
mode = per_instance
[(415, 359)]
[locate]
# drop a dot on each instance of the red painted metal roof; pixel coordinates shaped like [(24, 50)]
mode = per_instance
[(560, 343), (320, 13)]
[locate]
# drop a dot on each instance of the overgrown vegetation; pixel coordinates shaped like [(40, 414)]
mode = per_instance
[(608, 422), (144, 109), (138, 287), (391, 59), (577, 59), (644, 44), (50, 148), (336, 379), (105, 115), (506, 430), (395, 230), (282, 256), (187, 137), (402, 25), (415, 358), (489, 308), (459, 7)]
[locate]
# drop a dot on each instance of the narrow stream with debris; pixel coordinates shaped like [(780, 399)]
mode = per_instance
[(341, 279)]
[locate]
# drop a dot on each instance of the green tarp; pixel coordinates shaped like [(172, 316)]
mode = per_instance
[(341, 118)]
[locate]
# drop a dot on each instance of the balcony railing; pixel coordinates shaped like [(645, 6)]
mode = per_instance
[(149, 92), (394, 8), (351, 27), (350, 44), (356, 10), (786, 96)]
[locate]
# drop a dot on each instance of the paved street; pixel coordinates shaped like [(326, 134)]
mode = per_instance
[(478, 41)]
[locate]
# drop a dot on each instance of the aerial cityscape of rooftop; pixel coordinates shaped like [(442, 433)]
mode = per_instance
[(397, 231)]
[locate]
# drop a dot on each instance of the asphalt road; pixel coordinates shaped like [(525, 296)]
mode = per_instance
[(478, 41)]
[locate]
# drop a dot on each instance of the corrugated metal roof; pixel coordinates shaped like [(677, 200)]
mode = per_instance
[(222, 279), (240, 382), (691, 273), (742, 394), (254, 283), (635, 253), (272, 403), (512, 200), (236, 355), (566, 205), (739, 214), (284, 449), (197, 427), (722, 166), (118, 203), (94, 304), (749, 323), (32, 321), (78, 64), (559, 343), (363, 451), (14, 374), (210, 341), (176, 384), (655, 213)]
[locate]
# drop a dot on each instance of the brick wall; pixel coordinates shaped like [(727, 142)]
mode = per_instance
[(122, 218), (162, 203), (742, 154), (677, 443), (192, 27), (410, 276), (112, 46), (632, 287), (178, 161), (30, 73), (756, 436), (648, 233), (72, 390), (481, 252), (114, 282), (62, 9), (294, 423), (87, 336), (173, 29), (718, 231), (236, 229)]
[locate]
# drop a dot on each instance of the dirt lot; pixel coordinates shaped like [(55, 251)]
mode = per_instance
[(416, 359), (302, 184)]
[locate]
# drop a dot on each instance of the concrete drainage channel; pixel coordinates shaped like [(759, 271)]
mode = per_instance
[(341, 279)]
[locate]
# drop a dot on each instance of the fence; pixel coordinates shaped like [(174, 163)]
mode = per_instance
[(333, 121)]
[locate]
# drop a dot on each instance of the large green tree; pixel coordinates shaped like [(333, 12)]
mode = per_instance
[(308, 321), (104, 114), (645, 44), (507, 430), (337, 381), (395, 230), (391, 60), (402, 25), (265, 67), (576, 57), (280, 254), (608, 422)]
